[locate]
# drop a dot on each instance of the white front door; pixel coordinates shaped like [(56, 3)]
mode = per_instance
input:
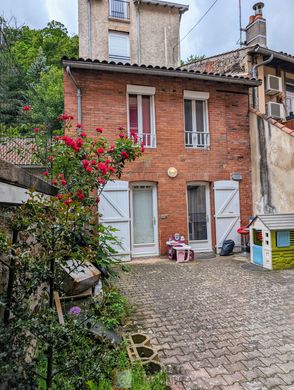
[(199, 225), (144, 220), (115, 212), (227, 212)]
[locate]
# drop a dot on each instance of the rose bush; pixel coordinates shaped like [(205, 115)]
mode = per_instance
[(48, 232)]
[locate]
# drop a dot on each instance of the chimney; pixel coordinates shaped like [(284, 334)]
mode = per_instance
[(256, 28)]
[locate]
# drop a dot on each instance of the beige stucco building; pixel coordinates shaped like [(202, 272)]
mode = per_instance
[(134, 31)]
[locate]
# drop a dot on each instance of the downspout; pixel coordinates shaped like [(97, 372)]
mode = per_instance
[(138, 34), (89, 29), (254, 74), (79, 94)]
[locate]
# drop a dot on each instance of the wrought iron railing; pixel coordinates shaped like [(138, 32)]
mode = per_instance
[(149, 139), (195, 139), (197, 226), (119, 9)]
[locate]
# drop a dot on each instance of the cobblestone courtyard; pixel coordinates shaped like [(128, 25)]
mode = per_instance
[(216, 324)]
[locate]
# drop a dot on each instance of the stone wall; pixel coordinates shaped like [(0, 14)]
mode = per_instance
[(272, 146)]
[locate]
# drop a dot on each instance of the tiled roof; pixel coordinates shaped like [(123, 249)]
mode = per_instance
[(276, 221), (277, 54), (18, 151), (111, 66)]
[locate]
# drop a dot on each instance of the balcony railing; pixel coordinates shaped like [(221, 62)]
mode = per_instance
[(194, 139), (119, 9), (149, 139)]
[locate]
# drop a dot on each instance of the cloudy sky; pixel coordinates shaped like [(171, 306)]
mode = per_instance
[(219, 30)]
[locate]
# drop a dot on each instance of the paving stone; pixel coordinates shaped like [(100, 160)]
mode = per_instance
[(287, 367), (287, 378), (236, 358), (271, 370), (234, 367), (233, 378), (213, 321), (273, 382), (250, 375), (214, 371), (254, 385)]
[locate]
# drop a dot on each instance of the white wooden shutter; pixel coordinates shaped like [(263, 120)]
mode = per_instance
[(115, 212), (227, 212)]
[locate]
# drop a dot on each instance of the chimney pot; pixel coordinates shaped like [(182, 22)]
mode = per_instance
[(258, 8)]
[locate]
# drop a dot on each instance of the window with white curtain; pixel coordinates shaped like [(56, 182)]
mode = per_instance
[(196, 119), (119, 46), (141, 116)]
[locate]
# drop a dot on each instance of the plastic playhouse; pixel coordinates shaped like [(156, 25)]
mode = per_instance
[(272, 241), (178, 250)]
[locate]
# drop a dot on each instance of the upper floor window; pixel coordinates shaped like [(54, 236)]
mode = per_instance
[(119, 46), (141, 115), (119, 9), (196, 119)]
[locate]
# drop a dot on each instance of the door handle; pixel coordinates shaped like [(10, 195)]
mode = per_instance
[(154, 221)]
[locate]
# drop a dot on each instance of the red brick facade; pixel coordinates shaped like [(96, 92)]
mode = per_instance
[(104, 104)]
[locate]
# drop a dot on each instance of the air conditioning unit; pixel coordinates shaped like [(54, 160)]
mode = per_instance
[(273, 85), (275, 110)]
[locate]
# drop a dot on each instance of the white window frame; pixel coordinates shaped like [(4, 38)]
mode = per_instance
[(140, 91), (194, 96), (113, 57)]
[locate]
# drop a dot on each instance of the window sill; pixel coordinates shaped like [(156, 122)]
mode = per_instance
[(120, 20), (207, 148)]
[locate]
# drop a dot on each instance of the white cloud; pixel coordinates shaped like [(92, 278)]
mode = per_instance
[(218, 31)]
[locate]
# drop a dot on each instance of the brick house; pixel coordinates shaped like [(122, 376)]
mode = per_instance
[(195, 127)]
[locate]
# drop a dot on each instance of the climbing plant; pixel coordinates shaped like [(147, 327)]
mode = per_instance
[(49, 235)]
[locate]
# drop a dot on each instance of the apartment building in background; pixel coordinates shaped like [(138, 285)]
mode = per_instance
[(131, 31)]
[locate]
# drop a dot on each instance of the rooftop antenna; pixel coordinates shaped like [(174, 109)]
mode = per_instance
[(240, 25)]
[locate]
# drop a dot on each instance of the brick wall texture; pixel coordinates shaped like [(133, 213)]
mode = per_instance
[(104, 104)]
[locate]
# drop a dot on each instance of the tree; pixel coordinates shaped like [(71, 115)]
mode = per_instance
[(46, 97), (192, 58), (37, 67), (35, 54)]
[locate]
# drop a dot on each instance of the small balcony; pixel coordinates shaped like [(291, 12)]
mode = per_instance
[(119, 9), (149, 139), (194, 139)]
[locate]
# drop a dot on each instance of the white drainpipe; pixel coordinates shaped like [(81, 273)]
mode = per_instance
[(79, 94), (254, 74)]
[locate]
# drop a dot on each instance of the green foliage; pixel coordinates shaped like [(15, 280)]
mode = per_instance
[(4, 243), (31, 71), (114, 308), (54, 232), (37, 67), (13, 93), (46, 97), (192, 58), (137, 378)]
